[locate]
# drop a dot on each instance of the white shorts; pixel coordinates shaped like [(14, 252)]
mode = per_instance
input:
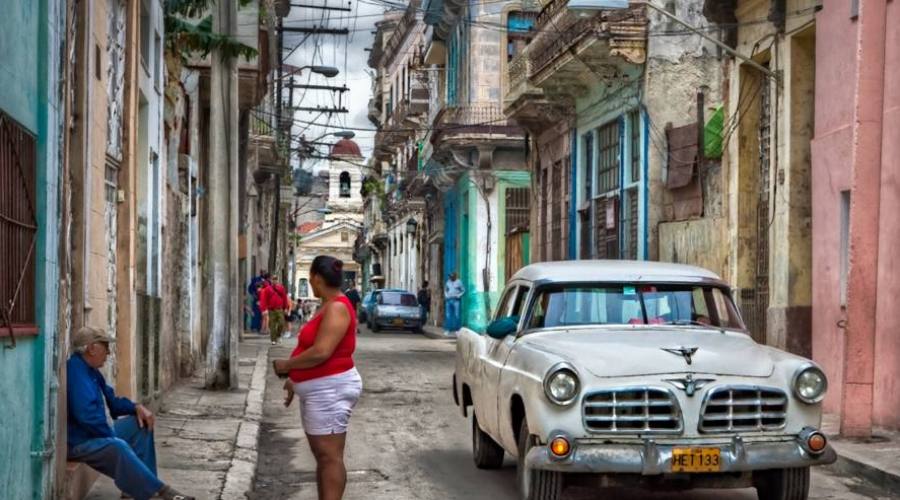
[(326, 403)]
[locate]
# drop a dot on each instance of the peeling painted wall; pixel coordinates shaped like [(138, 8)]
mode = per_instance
[(677, 68), (31, 35)]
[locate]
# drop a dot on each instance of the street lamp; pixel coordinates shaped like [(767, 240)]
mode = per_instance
[(326, 71), (322, 210), (343, 134), (411, 226), (585, 8)]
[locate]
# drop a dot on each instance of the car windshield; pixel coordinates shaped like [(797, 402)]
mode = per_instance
[(397, 299), (633, 304)]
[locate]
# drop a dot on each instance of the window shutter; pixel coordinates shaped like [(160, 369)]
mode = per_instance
[(18, 229)]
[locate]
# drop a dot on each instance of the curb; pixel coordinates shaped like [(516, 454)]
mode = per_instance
[(851, 464), (435, 333), (242, 472)]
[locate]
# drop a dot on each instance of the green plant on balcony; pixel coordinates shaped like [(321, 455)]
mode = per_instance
[(185, 38)]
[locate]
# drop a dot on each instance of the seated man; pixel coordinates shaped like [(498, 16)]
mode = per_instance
[(125, 451)]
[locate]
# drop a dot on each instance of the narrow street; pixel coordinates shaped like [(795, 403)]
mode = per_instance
[(408, 441)]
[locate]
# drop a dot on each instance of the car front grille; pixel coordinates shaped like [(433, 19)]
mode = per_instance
[(632, 410), (743, 408)]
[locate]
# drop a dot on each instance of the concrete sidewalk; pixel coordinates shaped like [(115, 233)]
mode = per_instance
[(206, 441), (875, 460)]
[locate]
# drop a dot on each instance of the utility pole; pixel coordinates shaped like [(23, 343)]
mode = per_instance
[(221, 297), (279, 139)]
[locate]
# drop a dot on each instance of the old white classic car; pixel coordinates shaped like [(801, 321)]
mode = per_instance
[(618, 373)]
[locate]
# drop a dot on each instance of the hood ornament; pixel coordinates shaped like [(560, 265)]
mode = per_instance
[(685, 352), (689, 384)]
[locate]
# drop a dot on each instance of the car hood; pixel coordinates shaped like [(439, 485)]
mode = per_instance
[(622, 353)]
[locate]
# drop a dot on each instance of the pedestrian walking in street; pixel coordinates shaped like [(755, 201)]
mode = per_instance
[(453, 292), (323, 376), (274, 304), (353, 295), (124, 451), (253, 292), (424, 298)]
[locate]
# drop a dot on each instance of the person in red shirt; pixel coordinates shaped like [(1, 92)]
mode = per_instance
[(324, 377), (273, 302)]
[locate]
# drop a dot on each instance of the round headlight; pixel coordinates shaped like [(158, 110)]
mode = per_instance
[(810, 384), (561, 386)]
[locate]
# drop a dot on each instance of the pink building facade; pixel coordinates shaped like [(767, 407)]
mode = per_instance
[(856, 211)]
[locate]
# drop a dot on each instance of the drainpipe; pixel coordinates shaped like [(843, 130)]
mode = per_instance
[(862, 290), (86, 121)]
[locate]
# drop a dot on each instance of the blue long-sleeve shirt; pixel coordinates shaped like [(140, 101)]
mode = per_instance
[(88, 397)]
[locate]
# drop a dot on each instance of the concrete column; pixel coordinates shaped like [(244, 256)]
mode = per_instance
[(862, 290)]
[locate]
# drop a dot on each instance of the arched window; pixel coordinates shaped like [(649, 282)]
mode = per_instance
[(345, 185)]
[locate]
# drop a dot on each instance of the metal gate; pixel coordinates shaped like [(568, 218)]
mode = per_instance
[(517, 228), (755, 303)]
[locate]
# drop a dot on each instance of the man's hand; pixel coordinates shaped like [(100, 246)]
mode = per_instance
[(145, 417)]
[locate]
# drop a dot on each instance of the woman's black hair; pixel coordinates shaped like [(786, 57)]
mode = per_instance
[(329, 268)]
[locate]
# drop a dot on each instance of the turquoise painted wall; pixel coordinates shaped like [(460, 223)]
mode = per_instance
[(30, 35), (474, 312)]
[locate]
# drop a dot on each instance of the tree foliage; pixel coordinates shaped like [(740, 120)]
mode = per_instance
[(185, 37)]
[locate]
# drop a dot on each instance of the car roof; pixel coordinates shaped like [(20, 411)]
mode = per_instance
[(615, 271), (399, 290)]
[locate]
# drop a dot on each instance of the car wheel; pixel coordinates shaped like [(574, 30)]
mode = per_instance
[(487, 453), (782, 484), (535, 484)]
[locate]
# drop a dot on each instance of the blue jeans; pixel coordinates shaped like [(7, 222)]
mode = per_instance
[(129, 458), (452, 321)]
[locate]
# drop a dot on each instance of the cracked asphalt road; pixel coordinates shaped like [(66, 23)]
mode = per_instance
[(408, 441)]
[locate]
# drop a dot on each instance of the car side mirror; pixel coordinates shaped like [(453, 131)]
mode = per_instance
[(503, 327)]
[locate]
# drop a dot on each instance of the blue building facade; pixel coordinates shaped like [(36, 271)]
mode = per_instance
[(475, 162)]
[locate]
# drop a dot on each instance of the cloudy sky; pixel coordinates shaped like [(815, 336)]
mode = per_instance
[(347, 53)]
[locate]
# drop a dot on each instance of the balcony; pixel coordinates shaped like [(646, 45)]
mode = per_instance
[(568, 56), (474, 123), (262, 149), (374, 112), (473, 131), (526, 102), (569, 50), (407, 23)]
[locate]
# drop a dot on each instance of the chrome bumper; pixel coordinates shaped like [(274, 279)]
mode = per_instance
[(388, 322), (652, 458)]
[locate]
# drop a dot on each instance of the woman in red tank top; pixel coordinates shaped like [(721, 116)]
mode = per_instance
[(323, 376)]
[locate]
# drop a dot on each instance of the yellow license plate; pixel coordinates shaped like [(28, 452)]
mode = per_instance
[(398, 321), (695, 459)]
